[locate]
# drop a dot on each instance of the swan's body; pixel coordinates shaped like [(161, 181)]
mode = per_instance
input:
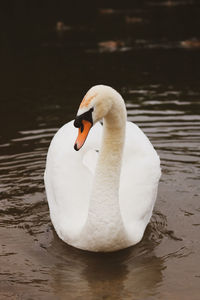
[(101, 198)]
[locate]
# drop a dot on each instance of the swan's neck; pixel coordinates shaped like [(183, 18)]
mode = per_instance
[(104, 222)]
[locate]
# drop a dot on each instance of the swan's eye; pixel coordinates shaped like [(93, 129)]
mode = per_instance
[(87, 116)]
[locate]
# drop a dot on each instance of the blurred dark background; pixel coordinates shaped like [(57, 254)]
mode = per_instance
[(53, 51)]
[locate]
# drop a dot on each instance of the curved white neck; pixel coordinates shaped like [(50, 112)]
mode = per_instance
[(104, 218)]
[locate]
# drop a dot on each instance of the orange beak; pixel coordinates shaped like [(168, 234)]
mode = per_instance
[(82, 134)]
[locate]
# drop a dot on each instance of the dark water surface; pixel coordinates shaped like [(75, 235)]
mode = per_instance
[(151, 54)]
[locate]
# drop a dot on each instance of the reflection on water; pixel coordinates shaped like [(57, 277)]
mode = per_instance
[(158, 78), (115, 276)]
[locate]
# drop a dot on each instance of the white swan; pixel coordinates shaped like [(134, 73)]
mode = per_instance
[(101, 198)]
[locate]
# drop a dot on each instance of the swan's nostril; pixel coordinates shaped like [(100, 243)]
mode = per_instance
[(82, 127)]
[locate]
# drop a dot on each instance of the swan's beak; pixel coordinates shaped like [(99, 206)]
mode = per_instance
[(82, 134)]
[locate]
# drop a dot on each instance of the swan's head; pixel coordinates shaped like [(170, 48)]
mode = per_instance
[(95, 106)]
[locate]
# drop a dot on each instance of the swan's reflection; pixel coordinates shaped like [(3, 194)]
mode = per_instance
[(133, 272)]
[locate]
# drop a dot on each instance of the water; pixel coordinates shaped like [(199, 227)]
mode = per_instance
[(44, 78)]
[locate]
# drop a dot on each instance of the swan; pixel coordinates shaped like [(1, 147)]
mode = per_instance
[(101, 196)]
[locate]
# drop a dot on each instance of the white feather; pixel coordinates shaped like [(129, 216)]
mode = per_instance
[(79, 210)]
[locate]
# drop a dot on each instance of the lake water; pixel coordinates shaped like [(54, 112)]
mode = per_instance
[(150, 53)]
